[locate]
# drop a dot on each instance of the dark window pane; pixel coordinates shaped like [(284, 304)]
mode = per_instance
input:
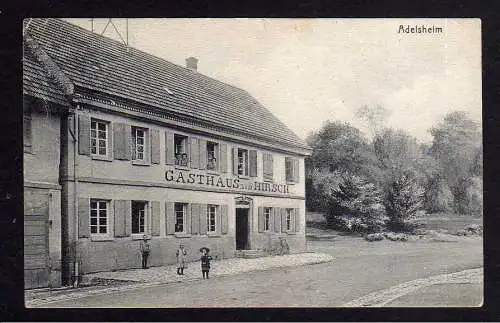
[(103, 229), (102, 151), (101, 126), (93, 229), (93, 221)]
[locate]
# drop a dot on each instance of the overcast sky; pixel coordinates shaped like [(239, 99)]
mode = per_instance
[(306, 71)]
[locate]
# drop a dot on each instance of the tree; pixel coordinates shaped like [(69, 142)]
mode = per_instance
[(375, 117), (457, 148)]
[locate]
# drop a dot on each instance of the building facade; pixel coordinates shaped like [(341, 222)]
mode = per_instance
[(150, 148)]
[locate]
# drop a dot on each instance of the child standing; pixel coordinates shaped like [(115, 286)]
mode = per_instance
[(181, 254), (205, 261), (145, 250)]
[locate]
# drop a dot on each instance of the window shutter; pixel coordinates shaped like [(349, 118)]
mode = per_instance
[(222, 158), (187, 219), (121, 141), (296, 216), (296, 170), (128, 218), (252, 156), (120, 217), (218, 221), (276, 218), (194, 152), (83, 218), (203, 219), (169, 148), (195, 218), (288, 169), (203, 153), (261, 219), (224, 215), (169, 217), (27, 133), (132, 144), (268, 167), (84, 135), (235, 161), (155, 218), (155, 146), (283, 220)]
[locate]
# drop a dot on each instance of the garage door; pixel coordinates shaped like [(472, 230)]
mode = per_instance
[(36, 242)]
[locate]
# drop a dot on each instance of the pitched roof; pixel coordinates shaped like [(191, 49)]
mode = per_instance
[(94, 62)]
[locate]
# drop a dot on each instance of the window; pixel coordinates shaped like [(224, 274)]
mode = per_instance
[(291, 169), (138, 217), (211, 216), (289, 219), (99, 138), (212, 152), (139, 143), (180, 147), (98, 217), (180, 211), (267, 218), (243, 162), (27, 136)]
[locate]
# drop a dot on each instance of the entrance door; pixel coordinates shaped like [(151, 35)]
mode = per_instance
[(36, 256), (241, 229)]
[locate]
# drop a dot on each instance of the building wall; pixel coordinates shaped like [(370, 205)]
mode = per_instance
[(41, 180)]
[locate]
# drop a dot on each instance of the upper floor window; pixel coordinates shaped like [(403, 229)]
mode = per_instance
[(242, 162), (212, 152), (267, 218), (27, 135), (211, 217), (180, 212), (99, 138), (139, 143), (292, 169), (98, 217), (180, 147), (138, 217)]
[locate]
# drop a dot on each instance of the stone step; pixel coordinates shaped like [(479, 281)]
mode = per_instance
[(250, 254)]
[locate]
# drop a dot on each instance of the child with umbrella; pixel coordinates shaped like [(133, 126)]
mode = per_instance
[(205, 261)]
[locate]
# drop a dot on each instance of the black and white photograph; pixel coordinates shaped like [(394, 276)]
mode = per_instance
[(252, 162)]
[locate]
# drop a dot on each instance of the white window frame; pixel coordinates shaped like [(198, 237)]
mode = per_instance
[(290, 219), (95, 137), (215, 155), (184, 208), (137, 144), (98, 217), (267, 218), (243, 161), (144, 217), (210, 214)]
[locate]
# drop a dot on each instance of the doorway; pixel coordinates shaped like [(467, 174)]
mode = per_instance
[(241, 229)]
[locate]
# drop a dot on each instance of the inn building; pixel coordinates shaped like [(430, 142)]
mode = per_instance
[(120, 144)]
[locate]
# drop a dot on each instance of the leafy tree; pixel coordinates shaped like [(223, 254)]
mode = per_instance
[(375, 117)]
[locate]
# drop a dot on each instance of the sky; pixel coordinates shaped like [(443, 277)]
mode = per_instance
[(307, 71)]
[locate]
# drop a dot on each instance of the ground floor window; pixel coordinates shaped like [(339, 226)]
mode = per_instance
[(289, 219), (138, 217), (211, 216), (180, 212), (267, 218), (98, 216)]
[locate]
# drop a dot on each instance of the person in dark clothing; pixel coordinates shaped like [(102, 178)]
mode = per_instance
[(205, 261), (145, 250)]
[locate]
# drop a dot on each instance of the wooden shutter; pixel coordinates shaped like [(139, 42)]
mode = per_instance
[(169, 148), (276, 218), (235, 161), (203, 153), (224, 219), (155, 218), (268, 166), (203, 219), (194, 152), (296, 215), (187, 218), (84, 135), (222, 161), (155, 146), (121, 141), (83, 218), (296, 170), (122, 210), (288, 169), (169, 217), (195, 218), (261, 219), (283, 220), (252, 163), (218, 221)]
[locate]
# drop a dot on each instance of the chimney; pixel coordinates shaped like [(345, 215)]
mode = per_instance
[(192, 63)]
